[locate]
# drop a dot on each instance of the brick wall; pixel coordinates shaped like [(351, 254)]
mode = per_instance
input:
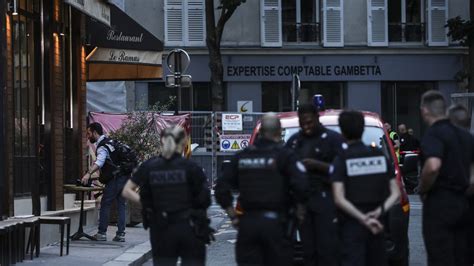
[(57, 122), (9, 119)]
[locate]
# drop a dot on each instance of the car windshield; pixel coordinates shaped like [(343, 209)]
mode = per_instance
[(373, 136)]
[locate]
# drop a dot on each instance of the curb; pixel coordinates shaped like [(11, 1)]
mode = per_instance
[(134, 256)]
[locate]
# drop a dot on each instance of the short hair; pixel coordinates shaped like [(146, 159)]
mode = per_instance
[(459, 115), (307, 109), (435, 103), (96, 127), (352, 124)]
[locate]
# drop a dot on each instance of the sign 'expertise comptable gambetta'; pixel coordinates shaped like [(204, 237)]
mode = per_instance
[(310, 71)]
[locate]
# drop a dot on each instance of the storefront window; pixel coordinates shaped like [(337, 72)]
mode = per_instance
[(24, 98), (300, 21), (276, 96), (405, 21), (401, 104)]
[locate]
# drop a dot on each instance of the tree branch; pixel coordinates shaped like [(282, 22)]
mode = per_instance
[(226, 14)]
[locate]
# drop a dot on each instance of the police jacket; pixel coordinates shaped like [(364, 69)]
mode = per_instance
[(454, 146), (323, 146), (172, 185), (267, 175), (366, 173)]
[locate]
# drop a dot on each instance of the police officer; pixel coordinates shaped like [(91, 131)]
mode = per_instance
[(459, 116), (394, 138), (175, 196), (265, 174), (317, 146), (364, 189), (447, 153)]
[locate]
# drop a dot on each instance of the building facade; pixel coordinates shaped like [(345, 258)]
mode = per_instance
[(375, 55), (43, 100)]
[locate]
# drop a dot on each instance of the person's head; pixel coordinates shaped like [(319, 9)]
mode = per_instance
[(309, 118), (433, 106), (352, 125), (402, 129), (410, 131), (388, 127), (94, 131), (270, 128), (173, 141), (459, 116)]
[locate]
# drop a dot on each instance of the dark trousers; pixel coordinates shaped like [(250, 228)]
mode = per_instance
[(113, 191), (262, 241), (320, 233), (470, 225), (360, 247), (444, 228), (174, 241)]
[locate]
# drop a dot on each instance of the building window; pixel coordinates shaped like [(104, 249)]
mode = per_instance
[(297, 21), (185, 23), (276, 96), (405, 21), (300, 21)]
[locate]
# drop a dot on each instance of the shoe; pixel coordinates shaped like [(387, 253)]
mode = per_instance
[(119, 238), (100, 237)]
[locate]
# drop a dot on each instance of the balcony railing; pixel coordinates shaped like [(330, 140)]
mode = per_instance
[(406, 32), (301, 32)]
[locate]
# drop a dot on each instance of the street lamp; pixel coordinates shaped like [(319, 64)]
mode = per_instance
[(14, 7)]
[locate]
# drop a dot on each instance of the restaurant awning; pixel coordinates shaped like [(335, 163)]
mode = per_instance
[(123, 51)]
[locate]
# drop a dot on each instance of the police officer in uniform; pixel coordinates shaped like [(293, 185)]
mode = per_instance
[(317, 147), (364, 189), (174, 195), (268, 177), (394, 138), (447, 154)]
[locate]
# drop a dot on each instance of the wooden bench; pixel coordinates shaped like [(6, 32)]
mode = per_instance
[(61, 221), (12, 241)]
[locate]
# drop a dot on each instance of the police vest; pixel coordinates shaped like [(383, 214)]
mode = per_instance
[(367, 176), (261, 184), (168, 181), (315, 148)]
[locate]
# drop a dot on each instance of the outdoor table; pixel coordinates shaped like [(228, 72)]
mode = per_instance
[(80, 232)]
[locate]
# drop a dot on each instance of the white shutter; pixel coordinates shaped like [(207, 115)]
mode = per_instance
[(195, 18), (377, 23), (437, 18), (270, 24), (173, 22), (333, 23)]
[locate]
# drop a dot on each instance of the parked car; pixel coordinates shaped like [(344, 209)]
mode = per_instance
[(375, 135)]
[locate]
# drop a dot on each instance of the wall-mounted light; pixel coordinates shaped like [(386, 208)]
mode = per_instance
[(13, 8)]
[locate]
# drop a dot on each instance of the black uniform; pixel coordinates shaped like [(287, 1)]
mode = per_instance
[(366, 174), (408, 142), (445, 206), (265, 175), (175, 196), (320, 229)]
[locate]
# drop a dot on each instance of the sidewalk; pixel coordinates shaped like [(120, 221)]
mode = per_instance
[(134, 251)]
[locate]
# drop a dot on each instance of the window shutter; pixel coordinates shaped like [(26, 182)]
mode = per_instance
[(437, 18), (333, 23), (377, 23), (195, 17), (173, 22), (270, 24)]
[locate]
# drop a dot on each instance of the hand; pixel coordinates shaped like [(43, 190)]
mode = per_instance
[(85, 179), (373, 225), (310, 164), (375, 213)]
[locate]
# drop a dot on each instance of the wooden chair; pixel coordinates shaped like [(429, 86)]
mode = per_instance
[(61, 221)]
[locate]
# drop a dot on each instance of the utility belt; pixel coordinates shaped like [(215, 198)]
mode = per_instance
[(272, 215)]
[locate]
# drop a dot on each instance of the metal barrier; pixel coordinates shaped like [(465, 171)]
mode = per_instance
[(206, 132)]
